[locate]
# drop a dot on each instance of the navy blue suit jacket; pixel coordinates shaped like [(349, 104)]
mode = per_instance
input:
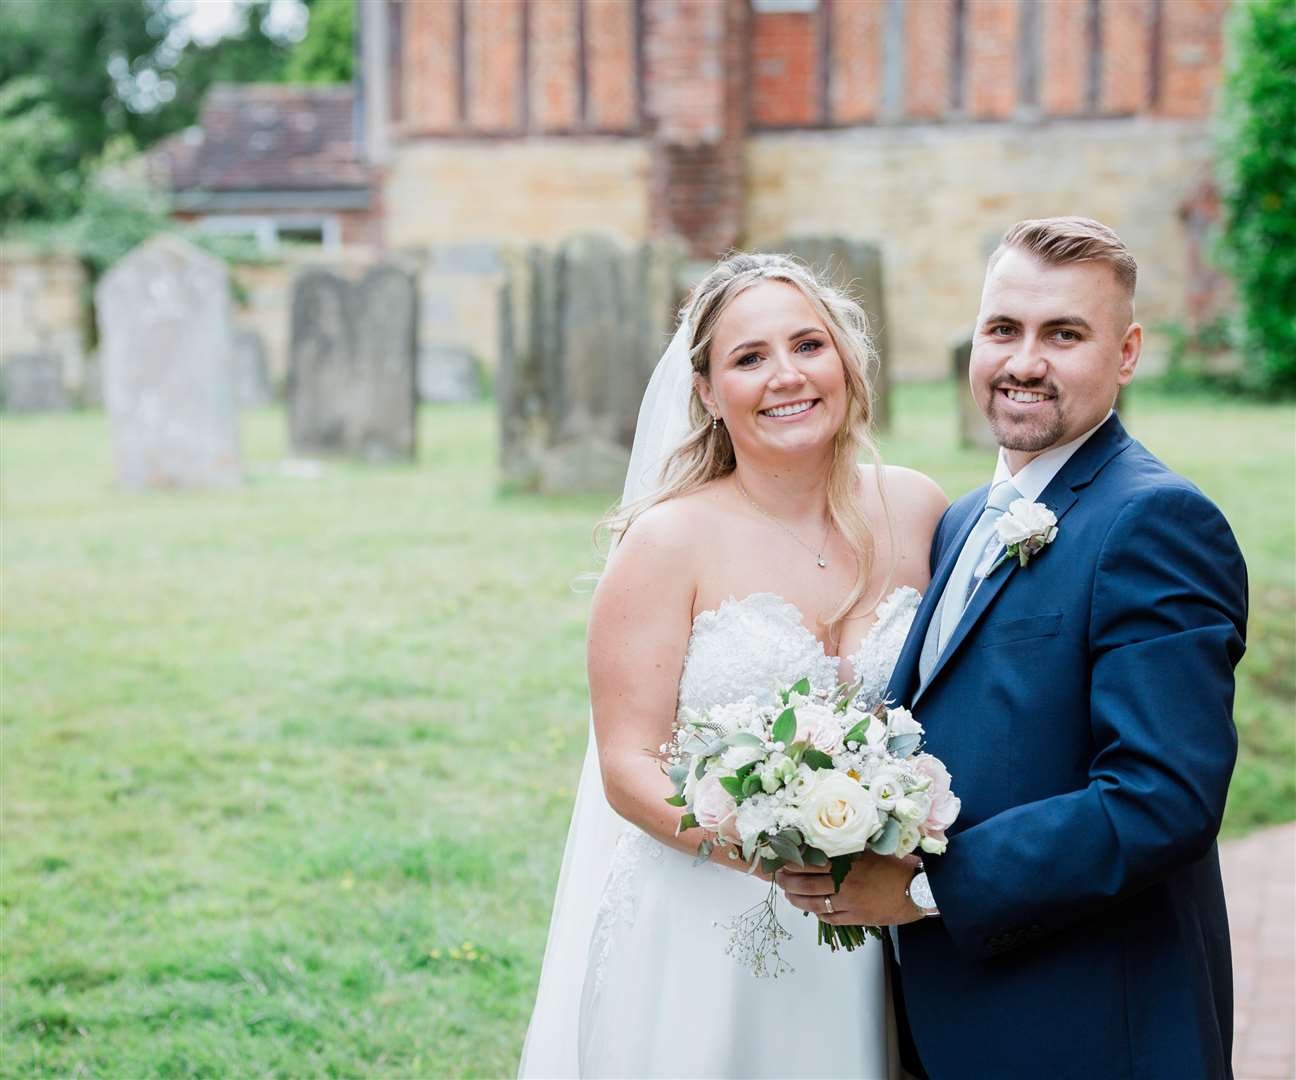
[(1084, 708)]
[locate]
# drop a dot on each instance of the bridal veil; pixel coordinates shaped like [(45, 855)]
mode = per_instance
[(552, 1041)]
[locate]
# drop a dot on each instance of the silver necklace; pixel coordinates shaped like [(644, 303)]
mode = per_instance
[(819, 558)]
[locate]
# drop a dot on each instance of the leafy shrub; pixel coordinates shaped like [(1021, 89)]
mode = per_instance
[(1258, 180)]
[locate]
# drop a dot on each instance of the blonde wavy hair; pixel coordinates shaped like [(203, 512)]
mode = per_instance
[(707, 453)]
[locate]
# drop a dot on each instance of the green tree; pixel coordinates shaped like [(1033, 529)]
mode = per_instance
[(68, 71), (1258, 181), (327, 52), (38, 178)]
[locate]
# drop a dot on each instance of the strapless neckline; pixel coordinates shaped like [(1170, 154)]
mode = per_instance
[(880, 614)]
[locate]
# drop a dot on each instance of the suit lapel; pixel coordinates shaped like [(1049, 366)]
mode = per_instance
[(1060, 496)]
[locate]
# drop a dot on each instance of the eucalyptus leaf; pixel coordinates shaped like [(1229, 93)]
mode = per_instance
[(785, 849), (743, 738), (903, 745), (749, 848), (703, 852), (888, 839), (678, 774), (770, 865), (677, 800), (815, 857), (701, 768), (817, 759), (785, 727), (750, 785), (732, 785), (688, 821), (840, 866)]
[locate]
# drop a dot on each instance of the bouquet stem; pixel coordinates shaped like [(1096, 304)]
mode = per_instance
[(846, 937)]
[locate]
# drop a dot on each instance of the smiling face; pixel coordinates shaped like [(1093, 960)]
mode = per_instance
[(1053, 344), (775, 379)]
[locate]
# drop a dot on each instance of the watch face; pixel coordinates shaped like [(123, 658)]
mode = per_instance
[(920, 892)]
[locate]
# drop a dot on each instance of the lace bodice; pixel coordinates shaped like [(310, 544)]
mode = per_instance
[(754, 646)]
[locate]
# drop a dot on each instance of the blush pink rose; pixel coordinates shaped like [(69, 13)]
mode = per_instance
[(714, 808), (822, 732), (945, 804)]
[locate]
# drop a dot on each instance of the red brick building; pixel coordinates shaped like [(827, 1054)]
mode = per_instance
[(925, 125)]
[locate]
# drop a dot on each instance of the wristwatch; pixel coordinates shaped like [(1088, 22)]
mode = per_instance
[(920, 895)]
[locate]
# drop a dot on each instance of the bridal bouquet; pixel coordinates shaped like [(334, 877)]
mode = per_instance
[(814, 780)]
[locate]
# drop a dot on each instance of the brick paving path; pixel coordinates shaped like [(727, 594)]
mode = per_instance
[(1260, 882)]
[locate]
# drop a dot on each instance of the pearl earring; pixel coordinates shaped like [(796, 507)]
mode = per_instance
[(715, 422)]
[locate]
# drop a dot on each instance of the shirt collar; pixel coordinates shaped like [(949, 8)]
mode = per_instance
[(1033, 477)]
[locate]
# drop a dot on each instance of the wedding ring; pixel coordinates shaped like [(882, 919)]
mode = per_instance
[(828, 905)]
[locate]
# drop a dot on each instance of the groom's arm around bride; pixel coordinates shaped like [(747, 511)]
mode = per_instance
[(1082, 699)]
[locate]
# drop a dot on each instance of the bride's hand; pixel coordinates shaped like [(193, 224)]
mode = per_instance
[(873, 893)]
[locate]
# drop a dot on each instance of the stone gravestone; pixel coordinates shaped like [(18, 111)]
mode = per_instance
[(974, 429), (856, 267), (448, 373), (166, 352), (581, 330), (33, 382), (351, 372), (251, 370)]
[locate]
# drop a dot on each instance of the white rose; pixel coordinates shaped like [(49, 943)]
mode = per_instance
[(838, 816), (821, 728), (1024, 520), (902, 722)]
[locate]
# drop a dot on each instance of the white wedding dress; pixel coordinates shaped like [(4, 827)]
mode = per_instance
[(661, 998), (635, 980)]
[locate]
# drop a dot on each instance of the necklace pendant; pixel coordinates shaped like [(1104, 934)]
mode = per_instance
[(822, 565)]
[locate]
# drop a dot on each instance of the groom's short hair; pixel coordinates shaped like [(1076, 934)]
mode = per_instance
[(1059, 240)]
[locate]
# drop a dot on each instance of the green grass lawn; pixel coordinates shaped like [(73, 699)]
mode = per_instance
[(286, 771)]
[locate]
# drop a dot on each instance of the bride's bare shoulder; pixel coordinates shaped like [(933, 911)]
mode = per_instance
[(913, 499), (663, 539)]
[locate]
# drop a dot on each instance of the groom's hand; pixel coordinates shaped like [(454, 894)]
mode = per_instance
[(873, 893)]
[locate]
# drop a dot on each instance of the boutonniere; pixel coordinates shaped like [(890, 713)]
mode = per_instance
[(1024, 529)]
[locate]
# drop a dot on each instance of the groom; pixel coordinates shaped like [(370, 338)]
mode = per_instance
[(1082, 699)]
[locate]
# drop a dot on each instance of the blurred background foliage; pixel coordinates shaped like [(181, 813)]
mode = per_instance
[(1257, 168), (92, 82)]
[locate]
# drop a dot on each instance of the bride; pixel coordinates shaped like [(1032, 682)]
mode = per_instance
[(750, 550)]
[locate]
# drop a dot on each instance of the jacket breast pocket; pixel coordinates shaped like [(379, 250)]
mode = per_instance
[(1015, 630)]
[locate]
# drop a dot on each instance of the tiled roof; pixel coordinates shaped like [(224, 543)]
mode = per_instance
[(265, 137)]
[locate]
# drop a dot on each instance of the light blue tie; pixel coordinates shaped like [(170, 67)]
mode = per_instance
[(981, 541)]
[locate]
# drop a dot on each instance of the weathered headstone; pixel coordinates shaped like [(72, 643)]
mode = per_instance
[(448, 373), (974, 429), (351, 376), (166, 353), (33, 382), (251, 370), (855, 266), (580, 332)]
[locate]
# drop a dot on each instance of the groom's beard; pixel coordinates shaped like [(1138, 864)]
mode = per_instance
[(1042, 429)]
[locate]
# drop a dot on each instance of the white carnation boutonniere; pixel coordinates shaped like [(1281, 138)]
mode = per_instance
[(1025, 529)]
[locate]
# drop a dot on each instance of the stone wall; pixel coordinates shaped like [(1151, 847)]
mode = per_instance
[(43, 309), (936, 199), (533, 191)]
